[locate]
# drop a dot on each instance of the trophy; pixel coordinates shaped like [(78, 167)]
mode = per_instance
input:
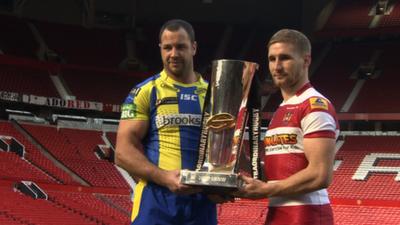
[(225, 116)]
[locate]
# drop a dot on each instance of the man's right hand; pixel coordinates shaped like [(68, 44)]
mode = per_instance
[(171, 180)]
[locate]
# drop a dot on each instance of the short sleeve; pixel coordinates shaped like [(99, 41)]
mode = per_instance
[(319, 119), (136, 105)]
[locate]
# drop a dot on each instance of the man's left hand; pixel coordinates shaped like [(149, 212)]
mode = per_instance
[(252, 188)]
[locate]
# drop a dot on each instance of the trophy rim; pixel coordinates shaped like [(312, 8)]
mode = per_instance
[(232, 60)]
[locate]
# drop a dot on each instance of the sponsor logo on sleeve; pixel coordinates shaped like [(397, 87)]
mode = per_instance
[(128, 111), (318, 103)]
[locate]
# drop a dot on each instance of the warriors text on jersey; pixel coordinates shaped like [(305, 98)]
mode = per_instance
[(308, 114)]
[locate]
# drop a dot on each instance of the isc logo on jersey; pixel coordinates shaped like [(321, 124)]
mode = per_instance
[(189, 97), (178, 120)]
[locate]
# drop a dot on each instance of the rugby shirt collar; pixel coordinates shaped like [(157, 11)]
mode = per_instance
[(303, 89), (168, 80)]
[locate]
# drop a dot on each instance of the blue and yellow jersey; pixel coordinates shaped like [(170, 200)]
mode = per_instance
[(174, 112)]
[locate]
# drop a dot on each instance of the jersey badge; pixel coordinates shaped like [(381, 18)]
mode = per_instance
[(287, 117), (318, 103), (128, 111)]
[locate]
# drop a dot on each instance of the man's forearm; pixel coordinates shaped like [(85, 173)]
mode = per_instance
[(136, 164), (304, 181)]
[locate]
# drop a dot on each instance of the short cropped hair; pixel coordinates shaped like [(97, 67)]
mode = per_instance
[(176, 24), (294, 37)]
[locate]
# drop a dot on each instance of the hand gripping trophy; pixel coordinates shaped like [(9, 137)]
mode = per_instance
[(227, 111)]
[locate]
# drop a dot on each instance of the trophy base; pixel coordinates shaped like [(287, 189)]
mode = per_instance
[(211, 182)]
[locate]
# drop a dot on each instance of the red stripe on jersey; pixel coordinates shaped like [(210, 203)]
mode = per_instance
[(321, 134), (281, 166), (300, 215)]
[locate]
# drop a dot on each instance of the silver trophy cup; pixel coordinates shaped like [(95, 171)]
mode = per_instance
[(223, 124)]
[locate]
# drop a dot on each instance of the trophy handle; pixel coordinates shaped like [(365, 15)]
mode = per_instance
[(202, 156), (249, 70)]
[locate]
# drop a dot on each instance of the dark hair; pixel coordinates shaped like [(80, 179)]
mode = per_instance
[(294, 37), (174, 25)]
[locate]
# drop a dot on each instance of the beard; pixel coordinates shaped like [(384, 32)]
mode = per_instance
[(176, 68), (286, 80), (282, 81)]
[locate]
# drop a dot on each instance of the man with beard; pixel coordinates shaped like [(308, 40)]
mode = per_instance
[(299, 142), (159, 132)]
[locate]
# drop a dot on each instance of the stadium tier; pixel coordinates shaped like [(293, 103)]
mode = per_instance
[(112, 137), (393, 19), (90, 205), (337, 68), (33, 158), (26, 80), (17, 38), (366, 215), (121, 202), (370, 91), (376, 185), (15, 168), (61, 207), (378, 92), (102, 47), (362, 18), (376, 192), (75, 149), (100, 86), (21, 209), (246, 212), (350, 15)]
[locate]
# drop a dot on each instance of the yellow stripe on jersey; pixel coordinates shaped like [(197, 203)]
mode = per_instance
[(138, 198), (169, 138), (201, 99)]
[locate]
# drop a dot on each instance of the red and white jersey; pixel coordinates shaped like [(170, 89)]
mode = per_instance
[(308, 114)]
